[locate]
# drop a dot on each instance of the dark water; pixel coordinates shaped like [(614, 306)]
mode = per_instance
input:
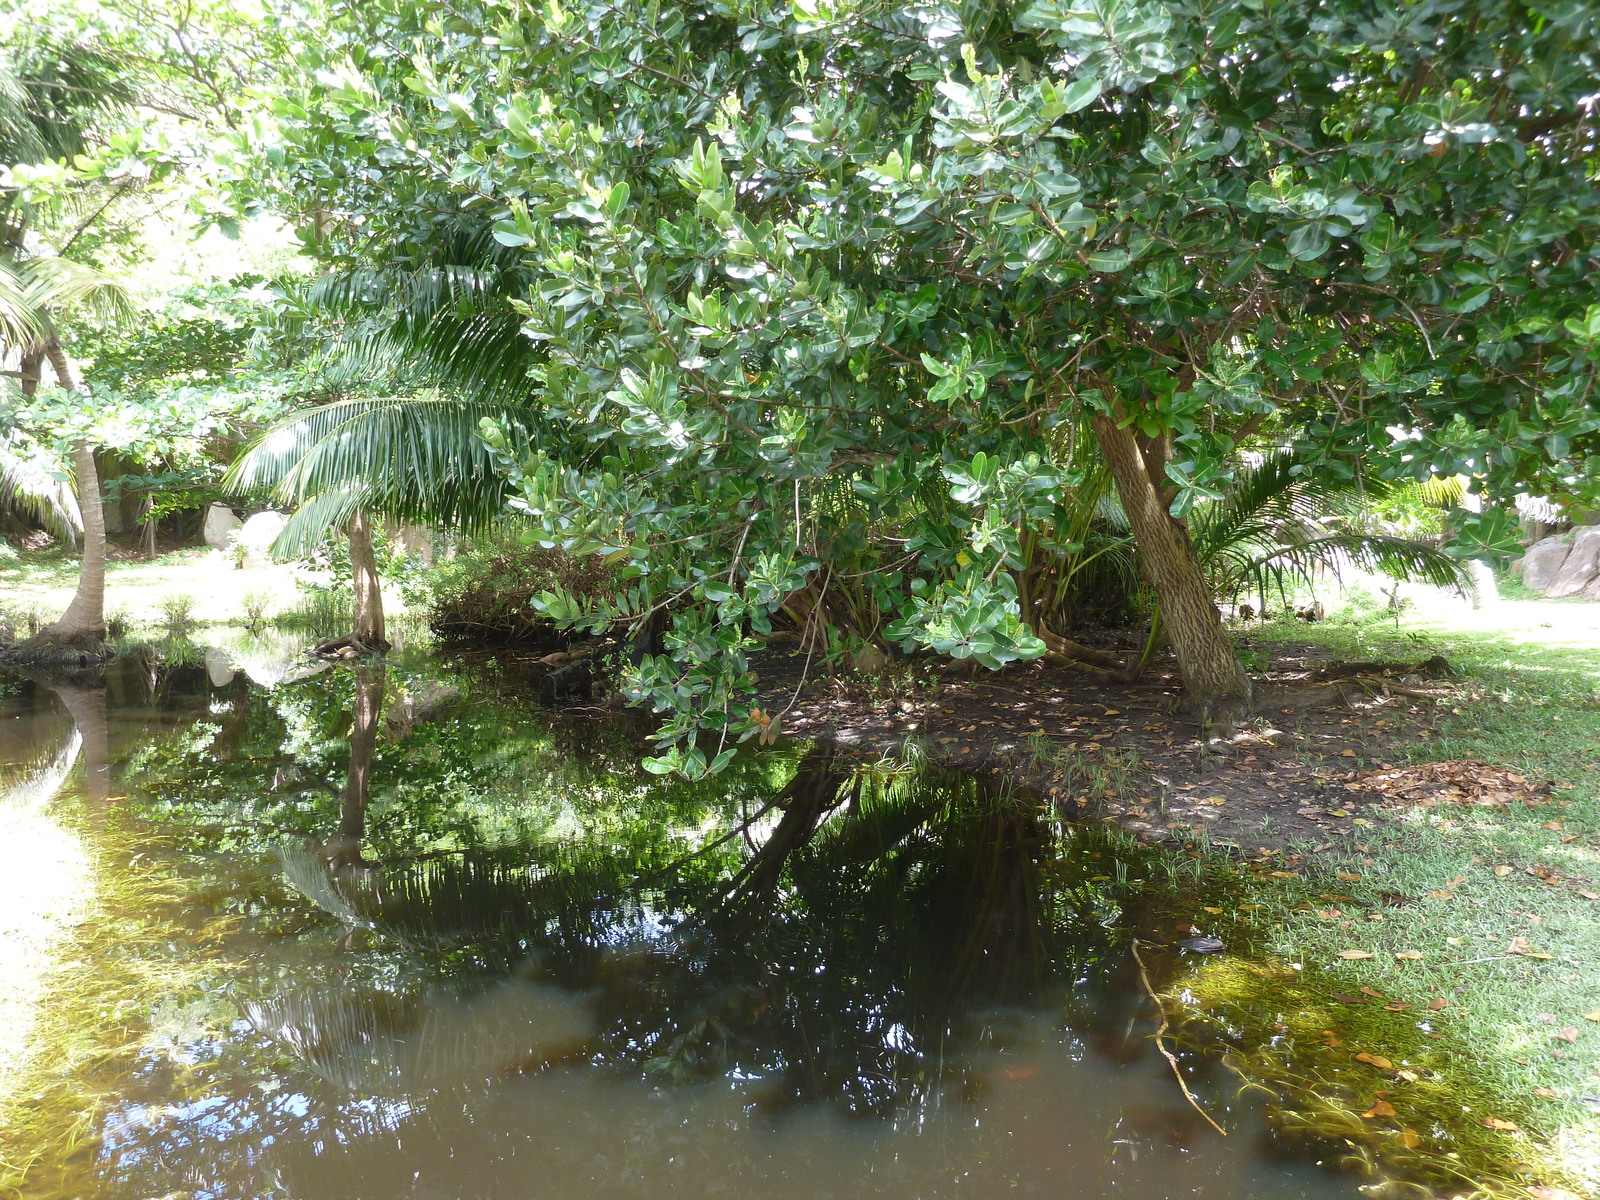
[(401, 934)]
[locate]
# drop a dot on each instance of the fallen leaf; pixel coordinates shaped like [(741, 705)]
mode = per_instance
[(1502, 870), (1354, 954), (1594, 1016), (1209, 909), (1366, 991), (1441, 894), (1568, 1035), (1497, 1123), (1437, 1003), (1550, 1193), (1408, 1076), (1547, 1093), (1409, 955), (1519, 945), (1349, 875), (1375, 1060), (1331, 1039), (1411, 1138), (1347, 754), (1344, 999), (1381, 1108), (1397, 1006)]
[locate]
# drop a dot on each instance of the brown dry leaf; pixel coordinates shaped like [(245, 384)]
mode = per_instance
[(1502, 870), (1590, 895), (1355, 954), (1397, 1006), (1214, 800), (1408, 1076), (1437, 1003), (1497, 1123), (1594, 1016), (1349, 875), (1519, 945), (1457, 782), (1568, 1035), (1347, 754), (1547, 1093), (1375, 1060), (1366, 991), (1381, 1108), (1411, 1138), (1408, 955), (1440, 894), (1330, 1039)]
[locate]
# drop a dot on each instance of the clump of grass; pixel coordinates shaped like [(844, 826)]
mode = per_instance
[(177, 613), (255, 605), (118, 623), (321, 611)]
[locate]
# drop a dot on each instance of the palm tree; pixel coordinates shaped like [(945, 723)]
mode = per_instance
[(1280, 523), (437, 349), (53, 98)]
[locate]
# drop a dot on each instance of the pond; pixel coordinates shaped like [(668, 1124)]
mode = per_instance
[(400, 933)]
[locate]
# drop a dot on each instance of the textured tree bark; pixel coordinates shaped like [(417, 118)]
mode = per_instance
[(1216, 686), (369, 597), (84, 622)]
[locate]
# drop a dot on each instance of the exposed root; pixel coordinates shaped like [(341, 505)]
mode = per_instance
[(51, 653)]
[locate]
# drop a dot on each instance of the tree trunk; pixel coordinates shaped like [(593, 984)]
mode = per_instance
[(1218, 690), (85, 618), (369, 597)]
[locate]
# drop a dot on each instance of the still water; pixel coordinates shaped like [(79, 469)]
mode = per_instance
[(401, 934)]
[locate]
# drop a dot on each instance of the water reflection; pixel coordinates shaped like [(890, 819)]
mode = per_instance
[(446, 945)]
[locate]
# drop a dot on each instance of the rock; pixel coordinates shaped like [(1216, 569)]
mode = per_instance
[(1542, 563), (219, 526), (870, 661), (257, 534), (1582, 564)]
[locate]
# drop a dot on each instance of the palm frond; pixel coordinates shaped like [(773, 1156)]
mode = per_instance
[(412, 458), (30, 487), (51, 282)]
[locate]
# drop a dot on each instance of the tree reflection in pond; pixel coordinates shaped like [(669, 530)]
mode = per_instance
[(469, 933)]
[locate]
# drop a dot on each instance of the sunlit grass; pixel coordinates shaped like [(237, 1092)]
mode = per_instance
[(1457, 887)]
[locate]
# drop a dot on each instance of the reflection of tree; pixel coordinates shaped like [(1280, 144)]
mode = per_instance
[(84, 697), (344, 848)]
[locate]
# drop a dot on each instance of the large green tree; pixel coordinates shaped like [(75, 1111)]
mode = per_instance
[(931, 251)]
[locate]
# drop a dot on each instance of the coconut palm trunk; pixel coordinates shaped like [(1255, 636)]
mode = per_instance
[(1217, 690), (368, 592), (84, 622)]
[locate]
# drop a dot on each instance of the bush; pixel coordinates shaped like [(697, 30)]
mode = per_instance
[(483, 592)]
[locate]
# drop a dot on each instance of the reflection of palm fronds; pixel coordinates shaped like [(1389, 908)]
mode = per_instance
[(37, 784), (307, 872)]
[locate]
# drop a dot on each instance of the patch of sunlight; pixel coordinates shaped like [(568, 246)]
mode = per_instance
[(45, 890)]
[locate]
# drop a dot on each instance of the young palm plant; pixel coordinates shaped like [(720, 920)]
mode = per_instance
[(1280, 524)]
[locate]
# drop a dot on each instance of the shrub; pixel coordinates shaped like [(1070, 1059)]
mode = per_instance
[(255, 606), (483, 592)]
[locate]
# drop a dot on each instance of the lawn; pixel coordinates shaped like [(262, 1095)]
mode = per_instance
[(1457, 946)]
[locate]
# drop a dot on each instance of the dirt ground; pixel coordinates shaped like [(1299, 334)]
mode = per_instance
[(1118, 752)]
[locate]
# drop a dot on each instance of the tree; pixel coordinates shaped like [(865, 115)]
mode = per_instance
[(778, 246), (73, 90)]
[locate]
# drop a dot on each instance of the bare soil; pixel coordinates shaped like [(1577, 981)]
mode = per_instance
[(1118, 752)]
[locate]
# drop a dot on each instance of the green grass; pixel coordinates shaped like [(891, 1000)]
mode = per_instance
[(1529, 701), (37, 586)]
